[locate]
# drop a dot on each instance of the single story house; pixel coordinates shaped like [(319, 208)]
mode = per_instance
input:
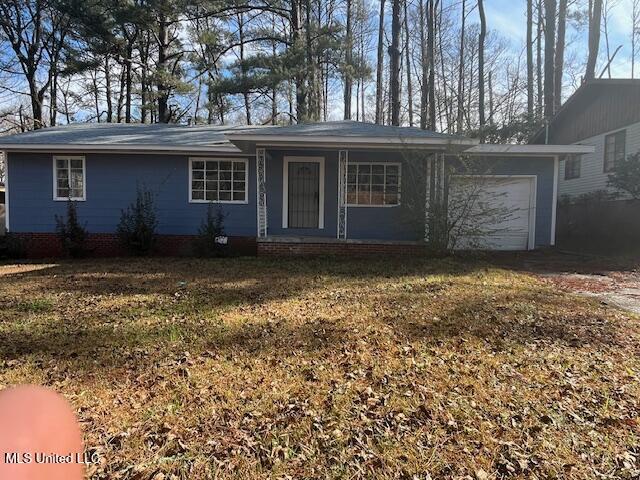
[(334, 187), (603, 114)]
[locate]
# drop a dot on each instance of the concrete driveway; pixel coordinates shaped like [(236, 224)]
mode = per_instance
[(614, 281)]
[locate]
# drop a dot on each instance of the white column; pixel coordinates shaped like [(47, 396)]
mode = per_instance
[(427, 199), (343, 167), (261, 181)]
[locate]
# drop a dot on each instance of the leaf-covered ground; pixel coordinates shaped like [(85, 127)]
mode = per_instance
[(255, 368)]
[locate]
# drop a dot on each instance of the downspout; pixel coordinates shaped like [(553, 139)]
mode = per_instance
[(546, 131)]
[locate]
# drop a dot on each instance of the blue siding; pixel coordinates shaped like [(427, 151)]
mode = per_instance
[(112, 180)]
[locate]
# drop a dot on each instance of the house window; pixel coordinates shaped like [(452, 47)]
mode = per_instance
[(572, 167), (376, 184), (69, 178), (614, 149), (218, 180)]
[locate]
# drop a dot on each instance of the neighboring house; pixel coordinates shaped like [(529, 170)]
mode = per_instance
[(604, 114), (328, 187)]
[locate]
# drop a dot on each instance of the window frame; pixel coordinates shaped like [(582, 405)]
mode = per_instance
[(572, 158), (612, 167), (362, 205), (55, 178), (220, 159)]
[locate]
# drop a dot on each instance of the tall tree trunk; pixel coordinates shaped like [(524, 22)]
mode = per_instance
[(530, 59), (108, 93), (243, 70), (301, 91), (394, 68), (559, 59), (424, 88), (539, 60), (348, 74), (594, 39), (490, 98), (433, 8), (380, 66), (143, 49), (53, 109), (549, 59), (163, 89), (128, 83), (483, 34), (460, 93), (313, 100), (408, 61)]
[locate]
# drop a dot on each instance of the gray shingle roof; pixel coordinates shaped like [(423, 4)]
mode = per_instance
[(347, 128), (163, 137), (124, 134)]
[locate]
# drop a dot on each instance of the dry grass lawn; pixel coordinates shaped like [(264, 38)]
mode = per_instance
[(255, 368)]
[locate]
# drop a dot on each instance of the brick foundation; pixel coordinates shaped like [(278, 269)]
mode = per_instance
[(353, 249), (48, 245)]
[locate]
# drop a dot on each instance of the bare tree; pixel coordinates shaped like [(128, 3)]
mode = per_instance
[(540, 25), (559, 54), (549, 56), (407, 51), (530, 98), (380, 65), (595, 18), (635, 29), (460, 92), (394, 63), (348, 53), (481, 40)]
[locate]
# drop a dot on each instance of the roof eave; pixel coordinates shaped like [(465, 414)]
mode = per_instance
[(345, 141), (530, 150), (118, 148)]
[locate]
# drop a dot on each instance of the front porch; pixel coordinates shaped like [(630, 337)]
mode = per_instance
[(309, 246)]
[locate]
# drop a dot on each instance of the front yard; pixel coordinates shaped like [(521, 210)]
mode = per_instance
[(252, 368)]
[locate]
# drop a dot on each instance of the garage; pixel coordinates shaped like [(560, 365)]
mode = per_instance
[(495, 212)]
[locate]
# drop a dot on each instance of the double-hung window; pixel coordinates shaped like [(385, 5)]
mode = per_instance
[(614, 149), (218, 180), (373, 184), (572, 167), (69, 178)]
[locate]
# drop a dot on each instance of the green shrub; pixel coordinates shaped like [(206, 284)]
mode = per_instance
[(138, 223), (207, 243), (72, 235)]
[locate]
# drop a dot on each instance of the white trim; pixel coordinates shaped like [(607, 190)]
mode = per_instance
[(55, 178), (273, 139), (360, 205), (285, 187), (261, 193), (6, 191), (531, 241), (537, 150), (220, 159), (554, 205)]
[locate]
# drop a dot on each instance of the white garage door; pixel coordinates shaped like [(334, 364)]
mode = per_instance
[(492, 213)]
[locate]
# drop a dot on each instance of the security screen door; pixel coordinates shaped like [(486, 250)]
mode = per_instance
[(303, 195)]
